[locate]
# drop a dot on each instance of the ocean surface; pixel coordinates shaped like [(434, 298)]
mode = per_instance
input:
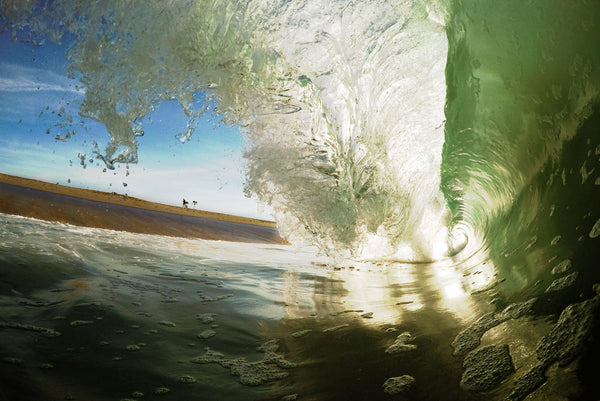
[(93, 314), (435, 164)]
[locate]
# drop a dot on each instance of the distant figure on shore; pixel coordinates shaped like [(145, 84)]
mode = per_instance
[(185, 203)]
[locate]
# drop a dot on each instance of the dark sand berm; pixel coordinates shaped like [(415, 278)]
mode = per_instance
[(89, 208)]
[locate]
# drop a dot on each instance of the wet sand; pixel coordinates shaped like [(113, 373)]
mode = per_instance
[(89, 208)]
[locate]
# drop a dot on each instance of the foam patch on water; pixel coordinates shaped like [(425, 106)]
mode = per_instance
[(207, 334), (470, 338), (28, 327), (562, 283), (301, 333), (400, 344), (595, 231), (272, 367), (570, 335), (485, 368), (399, 384), (562, 267), (336, 328)]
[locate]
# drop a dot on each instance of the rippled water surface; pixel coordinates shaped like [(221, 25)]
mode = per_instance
[(105, 315)]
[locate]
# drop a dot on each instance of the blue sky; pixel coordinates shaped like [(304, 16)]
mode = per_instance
[(38, 113)]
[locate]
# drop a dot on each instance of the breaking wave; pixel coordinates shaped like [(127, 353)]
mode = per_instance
[(410, 129)]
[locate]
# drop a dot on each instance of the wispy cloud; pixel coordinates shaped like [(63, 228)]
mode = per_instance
[(17, 78), (27, 91), (29, 158), (21, 84)]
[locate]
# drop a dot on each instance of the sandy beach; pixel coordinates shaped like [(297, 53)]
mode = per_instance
[(90, 208)]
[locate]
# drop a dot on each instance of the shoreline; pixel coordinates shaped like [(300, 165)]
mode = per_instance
[(90, 208), (125, 200)]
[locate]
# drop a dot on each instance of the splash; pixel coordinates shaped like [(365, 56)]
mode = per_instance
[(357, 164), (341, 104)]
